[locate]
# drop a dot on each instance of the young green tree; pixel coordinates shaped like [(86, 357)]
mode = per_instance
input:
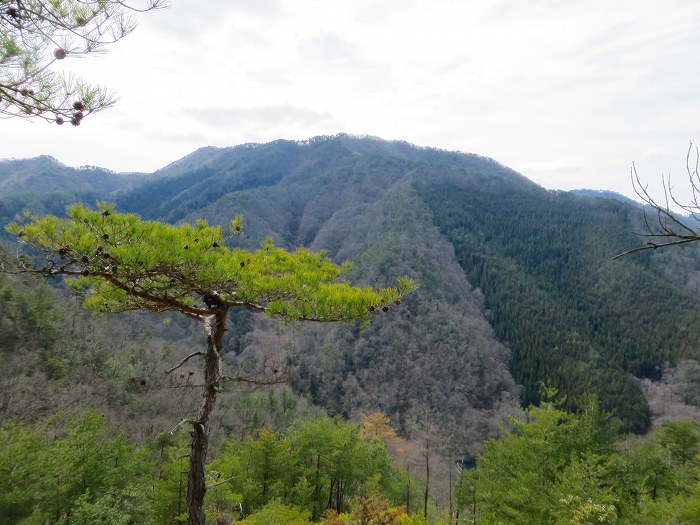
[(21, 459), (262, 467), (681, 439), (327, 451), (83, 475), (520, 478), (124, 263), (35, 34), (169, 490), (316, 465), (277, 513)]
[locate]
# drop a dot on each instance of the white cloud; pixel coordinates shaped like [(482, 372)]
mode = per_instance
[(569, 93), (258, 117)]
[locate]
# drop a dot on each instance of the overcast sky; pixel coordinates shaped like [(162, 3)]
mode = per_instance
[(568, 93)]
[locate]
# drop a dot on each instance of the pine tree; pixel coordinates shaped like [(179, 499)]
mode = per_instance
[(123, 263)]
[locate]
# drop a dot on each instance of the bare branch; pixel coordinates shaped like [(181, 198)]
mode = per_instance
[(266, 381), (183, 422), (193, 354), (653, 246), (220, 483), (669, 228)]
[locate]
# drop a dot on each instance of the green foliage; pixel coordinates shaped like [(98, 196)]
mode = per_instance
[(681, 439), (688, 508), (316, 465), (337, 463), (21, 458), (130, 264), (168, 499), (261, 468), (642, 473), (84, 473), (29, 317), (557, 467), (554, 467), (108, 509), (465, 498), (577, 511), (277, 513), (543, 467), (77, 472)]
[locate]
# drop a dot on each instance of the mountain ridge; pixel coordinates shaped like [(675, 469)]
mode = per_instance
[(508, 250)]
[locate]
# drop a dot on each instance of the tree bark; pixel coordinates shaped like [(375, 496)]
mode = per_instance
[(215, 327)]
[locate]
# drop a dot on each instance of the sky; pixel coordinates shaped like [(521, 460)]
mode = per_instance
[(568, 93)]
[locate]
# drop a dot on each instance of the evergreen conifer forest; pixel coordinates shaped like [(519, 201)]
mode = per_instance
[(529, 378)]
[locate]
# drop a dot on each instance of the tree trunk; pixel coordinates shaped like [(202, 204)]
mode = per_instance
[(215, 327), (318, 504), (408, 488), (427, 485), (451, 503)]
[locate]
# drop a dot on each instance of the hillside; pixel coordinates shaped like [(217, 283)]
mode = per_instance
[(516, 281), (45, 185)]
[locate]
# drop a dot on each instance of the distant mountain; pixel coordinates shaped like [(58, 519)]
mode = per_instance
[(44, 185), (606, 194), (516, 281)]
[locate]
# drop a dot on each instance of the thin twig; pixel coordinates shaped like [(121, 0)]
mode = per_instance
[(669, 225), (653, 246)]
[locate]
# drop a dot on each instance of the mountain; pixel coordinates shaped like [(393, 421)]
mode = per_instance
[(44, 185), (605, 194), (517, 283)]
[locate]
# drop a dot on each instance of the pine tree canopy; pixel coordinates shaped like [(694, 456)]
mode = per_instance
[(125, 263)]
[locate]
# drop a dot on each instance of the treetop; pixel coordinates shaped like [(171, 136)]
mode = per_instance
[(124, 263)]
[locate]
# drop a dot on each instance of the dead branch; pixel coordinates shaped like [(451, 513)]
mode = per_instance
[(193, 354), (183, 422)]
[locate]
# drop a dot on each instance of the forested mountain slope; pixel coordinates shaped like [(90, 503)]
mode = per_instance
[(353, 199), (45, 185), (568, 311), (516, 281)]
